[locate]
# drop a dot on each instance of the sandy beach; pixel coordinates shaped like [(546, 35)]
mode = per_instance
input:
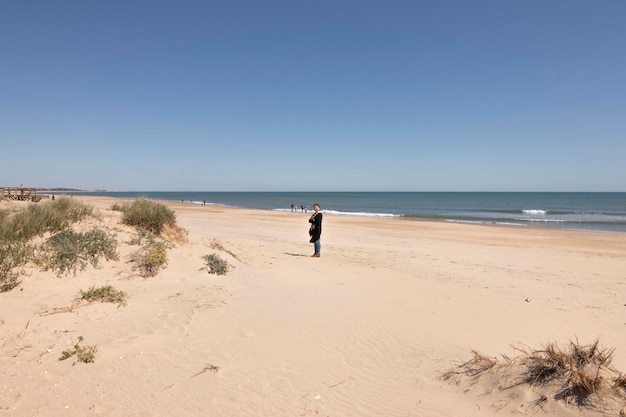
[(367, 329)]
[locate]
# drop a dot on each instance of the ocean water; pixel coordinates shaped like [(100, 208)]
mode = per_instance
[(584, 211)]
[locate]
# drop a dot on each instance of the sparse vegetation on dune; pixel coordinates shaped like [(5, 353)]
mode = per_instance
[(578, 375), (215, 265), (69, 251), (13, 257), (84, 354), (154, 221), (104, 294), (37, 219), (19, 227), (47, 236), (150, 259)]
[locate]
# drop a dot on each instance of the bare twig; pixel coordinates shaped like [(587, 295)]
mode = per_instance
[(210, 367)]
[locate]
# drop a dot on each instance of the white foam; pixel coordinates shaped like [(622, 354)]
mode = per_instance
[(534, 211), (510, 224), (484, 222), (548, 220), (358, 213), (466, 221), (341, 213)]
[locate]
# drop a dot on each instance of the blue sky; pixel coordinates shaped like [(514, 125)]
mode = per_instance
[(525, 95)]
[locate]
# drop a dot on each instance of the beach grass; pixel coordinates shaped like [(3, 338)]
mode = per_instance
[(37, 219), (19, 227)]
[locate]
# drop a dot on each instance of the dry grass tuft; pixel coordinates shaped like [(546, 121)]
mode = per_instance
[(580, 375), (174, 233), (217, 245), (150, 259), (620, 382), (473, 367)]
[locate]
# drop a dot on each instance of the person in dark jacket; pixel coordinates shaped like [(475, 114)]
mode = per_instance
[(315, 231)]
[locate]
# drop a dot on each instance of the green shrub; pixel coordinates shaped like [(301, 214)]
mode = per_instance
[(148, 215), (215, 265), (105, 294), (84, 354), (13, 256), (150, 259), (69, 251)]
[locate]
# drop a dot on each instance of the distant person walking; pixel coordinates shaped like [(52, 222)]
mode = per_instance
[(315, 231)]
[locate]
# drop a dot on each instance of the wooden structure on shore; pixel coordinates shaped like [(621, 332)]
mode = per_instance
[(23, 194)]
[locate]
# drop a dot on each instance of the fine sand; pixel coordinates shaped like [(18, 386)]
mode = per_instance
[(367, 329)]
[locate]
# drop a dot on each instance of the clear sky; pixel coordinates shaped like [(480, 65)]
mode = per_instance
[(354, 95)]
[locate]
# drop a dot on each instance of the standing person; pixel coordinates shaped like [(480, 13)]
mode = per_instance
[(315, 231)]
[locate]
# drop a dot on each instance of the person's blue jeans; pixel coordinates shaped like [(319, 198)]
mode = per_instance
[(317, 245)]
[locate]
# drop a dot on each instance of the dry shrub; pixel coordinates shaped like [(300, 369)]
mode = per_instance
[(620, 384), (174, 233), (581, 371), (473, 367), (546, 364), (150, 259), (575, 374), (217, 245)]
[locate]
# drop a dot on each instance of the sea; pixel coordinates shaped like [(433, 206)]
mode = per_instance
[(599, 211)]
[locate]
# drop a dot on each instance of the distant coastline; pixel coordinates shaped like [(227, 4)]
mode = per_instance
[(58, 189)]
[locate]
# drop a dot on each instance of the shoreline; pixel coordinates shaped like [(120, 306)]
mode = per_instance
[(367, 329), (577, 211), (409, 218)]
